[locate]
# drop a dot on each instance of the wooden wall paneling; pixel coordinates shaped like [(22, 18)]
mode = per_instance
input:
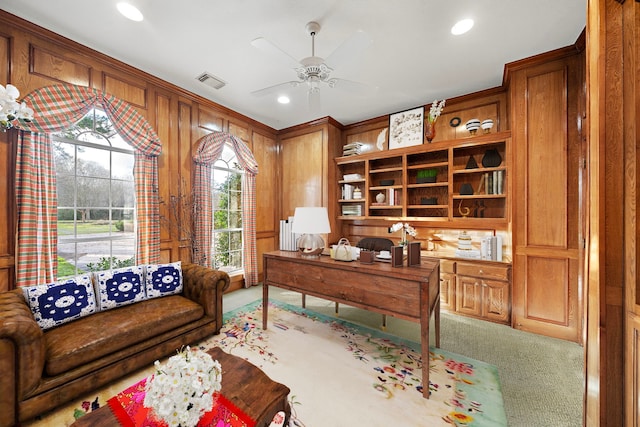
[(631, 291), (209, 119), (265, 151), (632, 400), (161, 125), (302, 171), (123, 87), (546, 215), (182, 174), (7, 182), (52, 65), (613, 236), (368, 134), (5, 58), (487, 104), (8, 145), (445, 130), (241, 130), (264, 244)]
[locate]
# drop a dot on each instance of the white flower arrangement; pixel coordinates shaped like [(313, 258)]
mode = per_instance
[(406, 229), (11, 109), (436, 110), (181, 392)]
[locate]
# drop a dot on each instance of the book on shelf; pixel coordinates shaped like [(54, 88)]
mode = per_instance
[(491, 248), (352, 210), (352, 149), (391, 196), (493, 182)]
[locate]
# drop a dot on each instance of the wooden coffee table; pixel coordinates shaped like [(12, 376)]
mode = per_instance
[(244, 384)]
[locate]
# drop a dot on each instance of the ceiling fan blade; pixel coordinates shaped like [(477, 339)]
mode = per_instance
[(275, 88), (273, 50), (350, 48), (314, 100), (352, 87)]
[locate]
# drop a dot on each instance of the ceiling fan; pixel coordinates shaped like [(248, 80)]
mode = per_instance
[(314, 71)]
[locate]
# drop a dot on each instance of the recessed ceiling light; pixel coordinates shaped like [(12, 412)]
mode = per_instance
[(283, 99), (130, 11), (462, 27)]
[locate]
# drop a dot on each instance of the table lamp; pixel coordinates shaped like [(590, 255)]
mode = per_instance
[(310, 222)]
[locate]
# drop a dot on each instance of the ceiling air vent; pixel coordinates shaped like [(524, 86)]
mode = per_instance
[(211, 80)]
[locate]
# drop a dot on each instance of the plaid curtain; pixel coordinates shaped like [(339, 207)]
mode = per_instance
[(208, 151), (56, 108)]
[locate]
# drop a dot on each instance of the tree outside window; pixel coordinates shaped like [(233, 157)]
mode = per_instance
[(227, 244), (96, 197)]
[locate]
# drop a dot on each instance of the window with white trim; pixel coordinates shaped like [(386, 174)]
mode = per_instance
[(227, 242), (96, 197)]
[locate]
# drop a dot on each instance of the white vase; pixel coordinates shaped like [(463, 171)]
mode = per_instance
[(380, 197)]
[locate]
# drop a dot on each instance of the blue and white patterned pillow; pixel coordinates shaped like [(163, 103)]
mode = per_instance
[(164, 279), (56, 303), (122, 286)]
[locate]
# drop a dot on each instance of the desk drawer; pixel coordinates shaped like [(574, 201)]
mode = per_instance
[(484, 271)]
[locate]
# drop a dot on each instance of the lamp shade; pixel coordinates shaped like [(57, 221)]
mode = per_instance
[(311, 220)]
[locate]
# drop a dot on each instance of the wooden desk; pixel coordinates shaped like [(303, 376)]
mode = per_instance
[(243, 383), (410, 293)]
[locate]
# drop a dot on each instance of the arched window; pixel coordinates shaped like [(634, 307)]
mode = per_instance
[(56, 109), (226, 182), (96, 196)]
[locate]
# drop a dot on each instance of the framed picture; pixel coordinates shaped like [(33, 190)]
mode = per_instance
[(406, 128)]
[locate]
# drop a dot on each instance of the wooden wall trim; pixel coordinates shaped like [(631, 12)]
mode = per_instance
[(543, 58)]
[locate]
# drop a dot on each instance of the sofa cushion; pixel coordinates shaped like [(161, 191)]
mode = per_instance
[(105, 332), (122, 286), (60, 302), (164, 279)]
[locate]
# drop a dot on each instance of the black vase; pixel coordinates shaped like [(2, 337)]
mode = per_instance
[(491, 158)]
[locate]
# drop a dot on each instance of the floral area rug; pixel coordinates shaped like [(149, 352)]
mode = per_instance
[(342, 374)]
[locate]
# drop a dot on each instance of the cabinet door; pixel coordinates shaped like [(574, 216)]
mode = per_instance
[(468, 296), (495, 300), (447, 291)]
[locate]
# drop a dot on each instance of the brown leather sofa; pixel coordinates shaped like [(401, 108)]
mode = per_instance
[(40, 370)]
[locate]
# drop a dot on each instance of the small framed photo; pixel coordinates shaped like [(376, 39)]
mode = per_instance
[(406, 128)]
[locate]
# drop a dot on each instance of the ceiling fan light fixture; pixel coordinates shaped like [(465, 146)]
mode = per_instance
[(129, 11), (462, 27)]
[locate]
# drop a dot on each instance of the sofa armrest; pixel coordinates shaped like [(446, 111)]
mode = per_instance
[(205, 286), (22, 350)]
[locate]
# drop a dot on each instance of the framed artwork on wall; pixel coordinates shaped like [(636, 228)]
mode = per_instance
[(406, 128)]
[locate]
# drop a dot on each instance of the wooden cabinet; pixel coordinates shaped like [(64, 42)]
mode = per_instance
[(467, 190), (476, 289), (549, 214), (447, 285)]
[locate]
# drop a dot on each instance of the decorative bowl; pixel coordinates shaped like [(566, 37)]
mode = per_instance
[(472, 126), (487, 125), (386, 182)]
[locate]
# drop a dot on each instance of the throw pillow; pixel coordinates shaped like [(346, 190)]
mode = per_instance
[(122, 286), (164, 279), (56, 303)]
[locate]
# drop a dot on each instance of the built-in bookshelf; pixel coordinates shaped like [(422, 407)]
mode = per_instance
[(457, 181)]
